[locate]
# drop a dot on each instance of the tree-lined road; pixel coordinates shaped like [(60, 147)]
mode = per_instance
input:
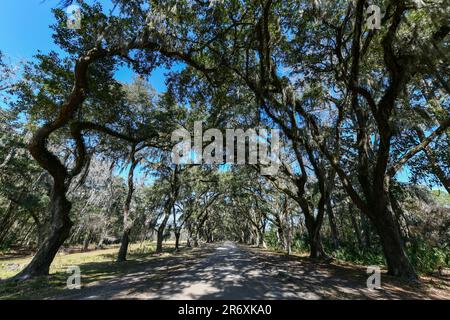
[(231, 271)]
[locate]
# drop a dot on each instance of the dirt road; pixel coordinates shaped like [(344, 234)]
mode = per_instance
[(229, 271)]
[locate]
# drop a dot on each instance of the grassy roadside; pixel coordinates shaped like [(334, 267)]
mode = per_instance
[(429, 287), (95, 265)]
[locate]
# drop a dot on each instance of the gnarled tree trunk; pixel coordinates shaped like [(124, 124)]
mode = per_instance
[(60, 224), (125, 240), (313, 226), (314, 239), (388, 229), (333, 226), (170, 202), (160, 233), (177, 240), (58, 232), (122, 256)]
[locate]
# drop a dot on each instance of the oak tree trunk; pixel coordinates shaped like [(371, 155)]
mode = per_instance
[(125, 240), (396, 259), (122, 256), (177, 240), (314, 239), (86, 240), (365, 231), (160, 233), (58, 232), (332, 222), (355, 226)]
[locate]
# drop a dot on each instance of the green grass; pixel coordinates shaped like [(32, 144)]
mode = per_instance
[(442, 197), (95, 265)]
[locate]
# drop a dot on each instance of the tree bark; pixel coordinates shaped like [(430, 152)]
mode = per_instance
[(189, 235), (170, 202), (262, 231), (313, 226), (396, 259), (290, 233), (177, 240), (280, 231), (195, 240), (355, 226), (333, 226), (365, 230), (58, 233), (86, 240), (122, 256), (125, 240), (160, 233), (315, 242), (400, 216), (60, 207), (41, 228)]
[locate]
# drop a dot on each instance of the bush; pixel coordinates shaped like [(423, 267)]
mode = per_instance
[(270, 237), (426, 258), (351, 253), (300, 243)]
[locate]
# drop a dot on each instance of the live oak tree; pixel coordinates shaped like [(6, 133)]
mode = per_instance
[(141, 117), (80, 84), (375, 165)]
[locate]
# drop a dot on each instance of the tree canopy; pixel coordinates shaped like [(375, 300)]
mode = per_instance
[(86, 158)]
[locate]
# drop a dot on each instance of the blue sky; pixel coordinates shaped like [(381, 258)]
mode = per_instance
[(24, 29)]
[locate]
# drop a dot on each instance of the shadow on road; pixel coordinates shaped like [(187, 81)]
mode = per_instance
[(229, 271)]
